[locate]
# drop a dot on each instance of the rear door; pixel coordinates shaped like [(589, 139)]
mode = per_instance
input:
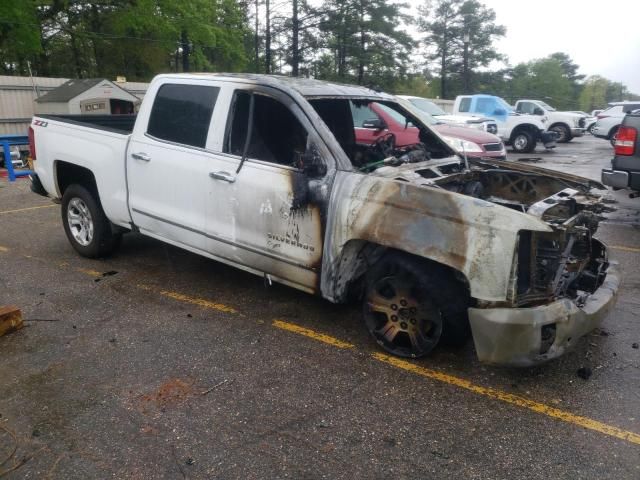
[(168, 163)]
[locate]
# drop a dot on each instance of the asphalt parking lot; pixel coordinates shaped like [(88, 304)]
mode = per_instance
[(157, 363)]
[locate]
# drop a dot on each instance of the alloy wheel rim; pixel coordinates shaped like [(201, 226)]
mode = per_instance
[(80, 221), (399, 322)]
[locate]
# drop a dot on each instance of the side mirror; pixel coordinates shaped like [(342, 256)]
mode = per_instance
[(312, 164), (538, 111), (374, 124), (500, 112)]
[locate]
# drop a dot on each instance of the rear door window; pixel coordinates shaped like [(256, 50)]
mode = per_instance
[(465, 104), (182, 113)]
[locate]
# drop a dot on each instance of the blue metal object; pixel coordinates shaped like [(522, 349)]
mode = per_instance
[(7, 141)]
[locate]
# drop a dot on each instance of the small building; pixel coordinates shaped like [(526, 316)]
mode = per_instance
[(97, 96)]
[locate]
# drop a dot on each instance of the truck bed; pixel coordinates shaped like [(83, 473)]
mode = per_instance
[(112, 123)]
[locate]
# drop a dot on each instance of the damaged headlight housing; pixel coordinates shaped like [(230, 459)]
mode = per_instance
[(462, 146)]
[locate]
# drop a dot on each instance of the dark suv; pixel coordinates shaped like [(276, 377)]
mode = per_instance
[(625, 166)]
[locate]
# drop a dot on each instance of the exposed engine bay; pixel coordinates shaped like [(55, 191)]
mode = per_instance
[(567, 262)]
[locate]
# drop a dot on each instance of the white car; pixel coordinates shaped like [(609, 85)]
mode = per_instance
[(486, 124), (609, 120)]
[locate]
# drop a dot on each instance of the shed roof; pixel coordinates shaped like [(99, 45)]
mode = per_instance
[(72, 88)]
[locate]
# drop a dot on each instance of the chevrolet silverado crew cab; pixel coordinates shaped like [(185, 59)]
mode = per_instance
[(522, 132), (264, 173), (567, 125)]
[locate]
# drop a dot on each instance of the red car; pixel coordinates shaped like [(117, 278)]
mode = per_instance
[(376, 120)]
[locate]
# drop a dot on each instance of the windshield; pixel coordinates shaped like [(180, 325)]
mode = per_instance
[(546, 106), (424, 116), (505, 105), (375, 133), (427, 106)]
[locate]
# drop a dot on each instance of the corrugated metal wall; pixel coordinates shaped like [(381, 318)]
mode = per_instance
[(17, 95)]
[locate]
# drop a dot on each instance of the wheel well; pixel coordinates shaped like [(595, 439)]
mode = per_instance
[(562, 124), (527, 127), (69, 174), (359, 255), (613, 131)]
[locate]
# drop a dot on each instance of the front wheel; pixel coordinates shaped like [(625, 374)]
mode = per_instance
[(87, 227), (409, 306), (523, 142)]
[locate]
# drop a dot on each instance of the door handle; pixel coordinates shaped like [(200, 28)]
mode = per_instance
[(226, 176), (141, 156)]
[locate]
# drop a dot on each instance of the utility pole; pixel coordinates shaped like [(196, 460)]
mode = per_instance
[(465, 67), (295, 51)]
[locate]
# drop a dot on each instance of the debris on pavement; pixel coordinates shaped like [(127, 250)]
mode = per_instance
[(635, 345), (10, 320), (584, 373)]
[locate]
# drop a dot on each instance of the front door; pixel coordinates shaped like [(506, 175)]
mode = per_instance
[(263, 216)]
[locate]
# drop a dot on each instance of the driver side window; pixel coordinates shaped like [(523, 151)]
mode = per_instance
[(361, 113), (276, 134), (526, 107)]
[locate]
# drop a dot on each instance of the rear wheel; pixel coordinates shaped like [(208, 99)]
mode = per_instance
[(410, 306), (523, 142), (87, 227)]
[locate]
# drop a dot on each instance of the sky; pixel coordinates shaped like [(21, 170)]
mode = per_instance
[(603, 37)]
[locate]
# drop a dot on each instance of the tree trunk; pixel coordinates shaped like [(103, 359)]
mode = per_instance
[(76, 56), (257, 41), (186, 50), (267, 40), (362, 46), (295, 52), (443, 67)]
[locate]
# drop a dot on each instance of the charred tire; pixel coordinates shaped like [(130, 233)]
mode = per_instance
[(523, 141), (410, 306), (87, 227), (564, 133)]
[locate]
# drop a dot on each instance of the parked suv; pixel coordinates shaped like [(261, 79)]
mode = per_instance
[(625, 166), (610, 119)]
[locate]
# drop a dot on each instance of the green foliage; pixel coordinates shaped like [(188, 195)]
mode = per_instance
[(135, 38), (446, 23), (19, 40), (365, 43)]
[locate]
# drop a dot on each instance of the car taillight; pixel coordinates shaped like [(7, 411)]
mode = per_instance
[(626, 141), (32, 143)]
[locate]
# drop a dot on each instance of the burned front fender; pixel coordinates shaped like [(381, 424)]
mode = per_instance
[(474, 237)]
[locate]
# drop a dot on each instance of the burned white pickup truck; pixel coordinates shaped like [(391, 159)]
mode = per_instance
[(264, 173)]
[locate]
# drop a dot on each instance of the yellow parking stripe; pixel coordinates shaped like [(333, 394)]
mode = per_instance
[(625, 249), (321, 337), (88, 271), (492, 393), (201, 302), (3, 249), (28, 208), (519, 401)]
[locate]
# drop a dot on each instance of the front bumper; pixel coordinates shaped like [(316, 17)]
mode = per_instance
[(577, 132), (514, 336)]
